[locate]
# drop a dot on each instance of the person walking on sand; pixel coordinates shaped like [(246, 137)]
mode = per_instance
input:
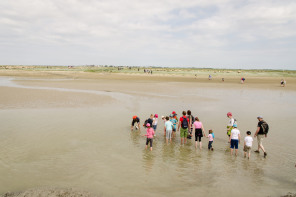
[(184, 124), (211, 140), (248, 144), (261, 132), (199, 132), (234, 139), (169, 129), (149, 135), (136, 119), (230, 124)]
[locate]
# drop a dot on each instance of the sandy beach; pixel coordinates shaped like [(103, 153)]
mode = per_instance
[(71, 129)]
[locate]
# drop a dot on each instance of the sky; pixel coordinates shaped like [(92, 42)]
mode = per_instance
[(239, 34)]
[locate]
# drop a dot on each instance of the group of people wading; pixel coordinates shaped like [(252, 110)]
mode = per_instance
[(189, 126)]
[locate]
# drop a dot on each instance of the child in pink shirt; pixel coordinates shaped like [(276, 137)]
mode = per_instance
[(149, 135), (211, 139)]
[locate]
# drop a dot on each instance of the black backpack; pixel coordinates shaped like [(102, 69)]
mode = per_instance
[(185, 123), (264, 127)]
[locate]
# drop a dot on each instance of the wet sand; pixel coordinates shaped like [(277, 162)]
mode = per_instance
[(58, 130)]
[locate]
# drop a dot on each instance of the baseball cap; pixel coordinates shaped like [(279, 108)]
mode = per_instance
[(229, 114), (148, 125), (235, 125), (156, 115), (261, 117)]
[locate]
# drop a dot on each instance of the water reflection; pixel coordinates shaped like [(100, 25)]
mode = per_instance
[(148, 160)]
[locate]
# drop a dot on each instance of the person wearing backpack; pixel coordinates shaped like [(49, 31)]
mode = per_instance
[(184, 124), (191, 121), (261, 132)]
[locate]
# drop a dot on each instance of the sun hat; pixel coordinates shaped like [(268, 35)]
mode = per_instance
[(260, 117), (235, 125), (148, 125), (156, 115), (162, 116), (229, 114)]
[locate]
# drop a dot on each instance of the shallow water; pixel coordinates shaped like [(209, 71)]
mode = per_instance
[(92, 147)]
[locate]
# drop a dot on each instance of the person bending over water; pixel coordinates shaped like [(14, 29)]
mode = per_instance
[(136, 120)]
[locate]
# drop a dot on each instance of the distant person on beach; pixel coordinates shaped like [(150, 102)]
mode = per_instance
[(223, 79), (261, 132), (210, 77), (174, 121), (198, 131), (183, 127), (283, 83), (191, 120), (234, 139), (243, 80), (230, 124), (149, 135), (169, 129), (248, 144), (211, 140), (136, 119), (155, 120)]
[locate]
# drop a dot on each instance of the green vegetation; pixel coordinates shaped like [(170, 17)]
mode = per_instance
[(159, 70)]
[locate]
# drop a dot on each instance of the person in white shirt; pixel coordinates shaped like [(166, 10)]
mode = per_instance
[(234, 139), (248, 144)]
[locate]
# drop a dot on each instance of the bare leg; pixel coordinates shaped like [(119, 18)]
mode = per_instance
[(236, 150), (150, 148), (245, 154), (195, 144), (200, 145), (167, 141), (231, 150), (146, 147), (181, 141)]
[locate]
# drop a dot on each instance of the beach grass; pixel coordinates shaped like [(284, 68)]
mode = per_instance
[(195, 72)]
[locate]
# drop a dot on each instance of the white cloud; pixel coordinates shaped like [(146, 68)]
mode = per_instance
[(159, 32)]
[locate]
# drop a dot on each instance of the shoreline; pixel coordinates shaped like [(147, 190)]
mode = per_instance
[(259, 81)]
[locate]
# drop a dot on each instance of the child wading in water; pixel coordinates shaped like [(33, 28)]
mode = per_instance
[(248, 144), (169, 129), (149, 135), (211, 140), (234, 139)]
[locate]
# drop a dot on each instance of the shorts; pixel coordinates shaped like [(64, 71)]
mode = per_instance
[(247, 149), (154, 127), (135, 121), (198, 134), (234, 144), (149, 140), (260, 139), (183, 132), (168, 134), (174, 129)]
